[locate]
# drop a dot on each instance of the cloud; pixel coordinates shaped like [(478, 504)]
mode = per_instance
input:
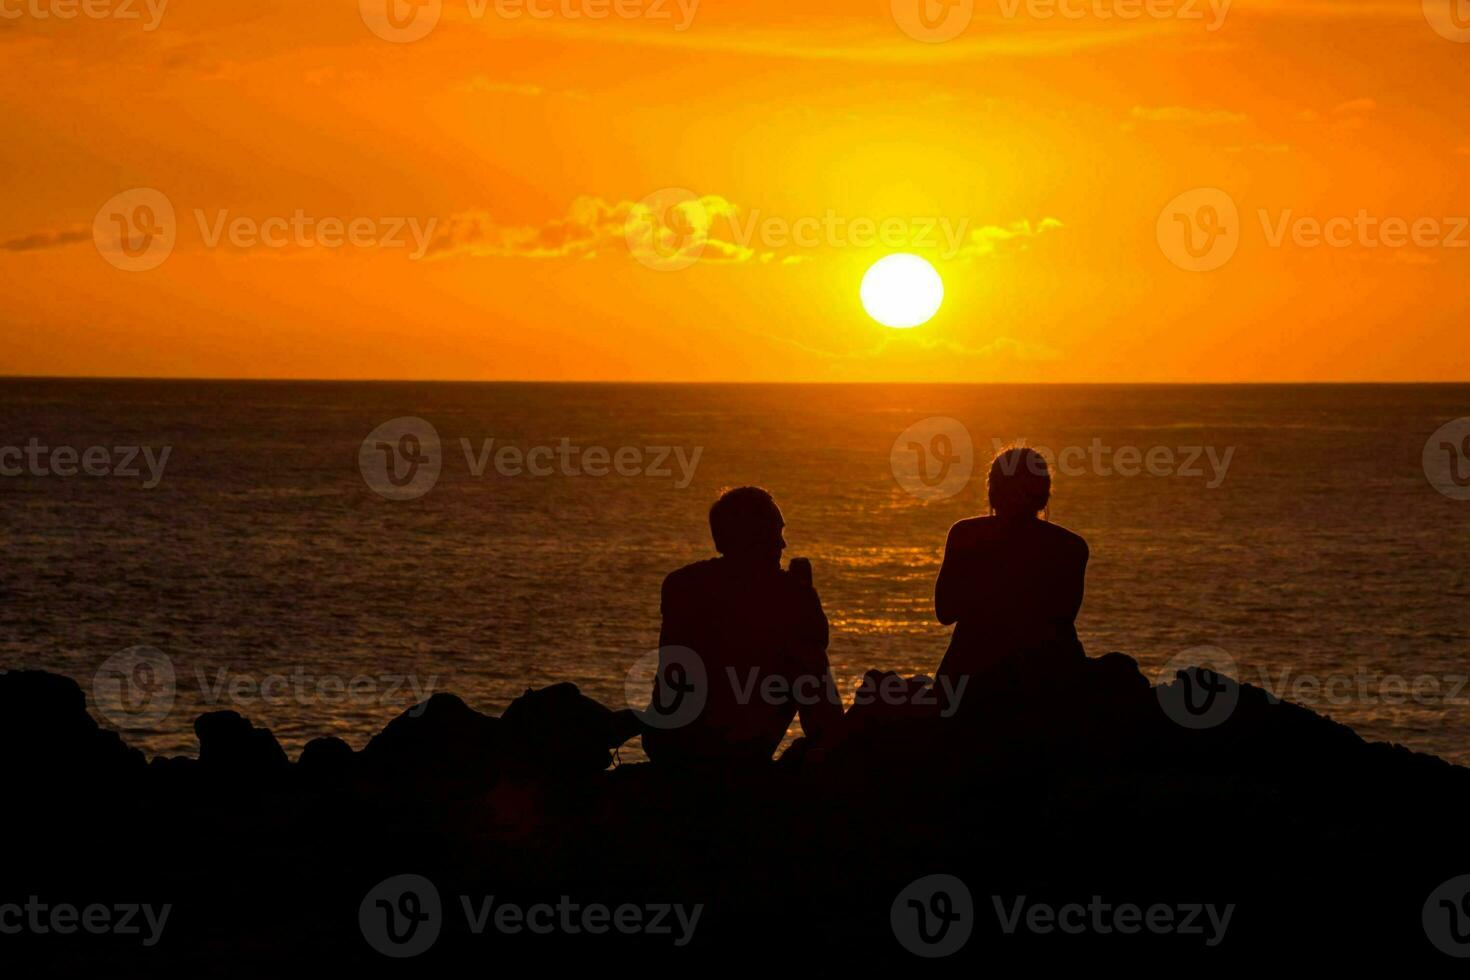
[(594, 226), (46, 239), (676, 228), (997, 239), (1355, 107), (1186, 116)]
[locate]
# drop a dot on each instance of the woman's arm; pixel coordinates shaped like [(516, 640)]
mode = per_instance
[(971, 583)]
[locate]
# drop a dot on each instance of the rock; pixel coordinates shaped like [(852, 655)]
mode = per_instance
[(230, 744), (439, 739), (46, 733), (326, 756), (557, 731)]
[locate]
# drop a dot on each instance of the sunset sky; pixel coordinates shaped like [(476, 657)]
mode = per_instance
[(1032, 159)]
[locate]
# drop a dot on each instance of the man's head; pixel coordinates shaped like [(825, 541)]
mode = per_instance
[(1019, 483), (746, 524)]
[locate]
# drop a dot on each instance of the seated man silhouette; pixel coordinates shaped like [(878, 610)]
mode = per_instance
[(1011, 582), (758, 639)]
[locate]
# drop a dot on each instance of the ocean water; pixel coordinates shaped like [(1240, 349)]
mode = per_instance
[(1293, 529)]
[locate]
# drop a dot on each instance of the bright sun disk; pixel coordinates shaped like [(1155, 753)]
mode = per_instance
[(901, 290)]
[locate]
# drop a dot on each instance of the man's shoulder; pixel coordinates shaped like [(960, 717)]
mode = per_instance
[(692, 575)]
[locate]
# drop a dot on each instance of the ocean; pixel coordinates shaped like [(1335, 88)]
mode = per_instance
[(249, 535)]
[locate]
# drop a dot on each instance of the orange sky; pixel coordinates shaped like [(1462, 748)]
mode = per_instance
[(1031, 158)]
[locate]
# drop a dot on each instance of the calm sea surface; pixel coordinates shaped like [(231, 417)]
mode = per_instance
[(278, 582)]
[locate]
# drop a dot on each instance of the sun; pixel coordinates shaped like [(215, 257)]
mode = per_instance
[(901, 290)]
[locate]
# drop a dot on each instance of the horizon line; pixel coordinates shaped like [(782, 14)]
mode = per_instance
[(650, 382)]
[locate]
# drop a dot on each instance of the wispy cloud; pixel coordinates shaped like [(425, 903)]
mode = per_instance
[(1186, 115), (46, 239), (594, 227), (996, 239)]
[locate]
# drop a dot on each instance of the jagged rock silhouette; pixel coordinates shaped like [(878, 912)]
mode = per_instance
[(1061, 780)]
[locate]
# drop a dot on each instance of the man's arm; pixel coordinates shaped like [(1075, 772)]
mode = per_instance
[(676, 621), (821, 719)]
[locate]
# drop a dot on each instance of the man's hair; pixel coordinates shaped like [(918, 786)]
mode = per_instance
[(738, 511), (1019, 482)]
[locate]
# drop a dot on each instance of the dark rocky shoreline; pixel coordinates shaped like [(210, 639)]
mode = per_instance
[(1069, 788)]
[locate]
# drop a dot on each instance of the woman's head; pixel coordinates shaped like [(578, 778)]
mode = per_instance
[(1019, 484)]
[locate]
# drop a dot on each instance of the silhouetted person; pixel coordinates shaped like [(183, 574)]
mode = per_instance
[(1012, 581), (760, 637)]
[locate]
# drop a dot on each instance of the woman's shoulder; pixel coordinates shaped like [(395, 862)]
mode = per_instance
[(976, 531), (972, 531), (1063, 538)]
